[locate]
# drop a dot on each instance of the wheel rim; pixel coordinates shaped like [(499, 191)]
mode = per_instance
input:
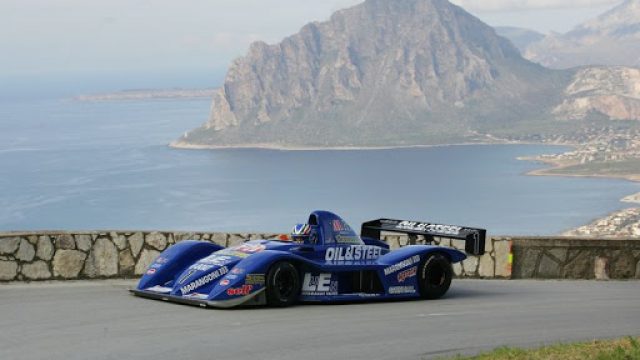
[(436, 276), (284, 282)]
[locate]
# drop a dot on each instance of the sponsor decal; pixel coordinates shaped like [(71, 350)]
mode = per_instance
[(197, 296), (204, 280), (348, 239), (243, 290), (352, 253), (406, 274), (159, 289), (395, 290), (234, 253), (201, 267), (338, 225), (224, 282), (237, 270), (318, 285), (426, 227), (216, 259), (231, 277), (250, 248), (254, 279), (242, 251), (186, 275), (367, 295), (402, 264), (157, 264)]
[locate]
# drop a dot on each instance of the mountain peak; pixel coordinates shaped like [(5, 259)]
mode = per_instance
[(622, 20), (381, 72), (612, 38)]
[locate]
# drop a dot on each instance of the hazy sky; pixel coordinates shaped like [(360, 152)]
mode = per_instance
[(41, 37)]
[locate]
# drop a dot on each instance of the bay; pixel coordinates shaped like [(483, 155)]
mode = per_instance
[(106, 165)]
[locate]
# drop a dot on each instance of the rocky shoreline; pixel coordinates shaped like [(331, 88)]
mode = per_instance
[(622, 223), (178, 144), (605, 152)]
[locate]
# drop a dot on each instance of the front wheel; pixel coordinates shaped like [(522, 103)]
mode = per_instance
[(283, 284), (435, 276)]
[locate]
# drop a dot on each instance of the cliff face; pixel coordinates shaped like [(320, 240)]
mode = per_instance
[(612, 38), (385, 72), (610, 91), (427, 50)]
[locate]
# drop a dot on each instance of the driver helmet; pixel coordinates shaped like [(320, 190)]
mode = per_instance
[(300, 232)]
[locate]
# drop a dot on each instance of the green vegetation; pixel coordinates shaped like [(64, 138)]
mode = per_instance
[(605, 168), (620, 349)]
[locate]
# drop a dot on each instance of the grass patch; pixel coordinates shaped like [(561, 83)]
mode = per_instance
[(620, 349), (609, 168)]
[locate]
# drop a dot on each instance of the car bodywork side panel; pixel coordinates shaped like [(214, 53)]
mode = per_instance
[(174, 260), (396, 271)]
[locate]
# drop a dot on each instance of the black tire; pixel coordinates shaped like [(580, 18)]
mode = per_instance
[(435, 276), (283, 284)]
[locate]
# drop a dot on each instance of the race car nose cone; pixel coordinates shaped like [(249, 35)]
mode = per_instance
[(199, 277)]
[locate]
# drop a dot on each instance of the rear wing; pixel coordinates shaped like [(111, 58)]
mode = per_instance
[(474, 238)]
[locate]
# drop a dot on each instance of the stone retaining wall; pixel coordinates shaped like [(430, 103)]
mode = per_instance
[(121, 254), (576, 258), (93, 255)]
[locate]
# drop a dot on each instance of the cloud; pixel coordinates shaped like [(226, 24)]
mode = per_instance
[(515, 5)]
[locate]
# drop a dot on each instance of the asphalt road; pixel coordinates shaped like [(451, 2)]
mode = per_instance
[(101, 320)]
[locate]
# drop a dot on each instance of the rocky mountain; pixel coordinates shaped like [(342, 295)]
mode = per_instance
[(385, 72), (610, 91), (612, 38), (520, 37)]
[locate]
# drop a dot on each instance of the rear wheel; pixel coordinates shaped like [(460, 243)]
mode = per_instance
[(435, 276), (283, 284)]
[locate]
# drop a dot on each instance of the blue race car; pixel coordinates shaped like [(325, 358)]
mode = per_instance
[(324, 261)]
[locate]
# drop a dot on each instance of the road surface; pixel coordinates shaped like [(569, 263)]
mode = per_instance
[(101, 320)]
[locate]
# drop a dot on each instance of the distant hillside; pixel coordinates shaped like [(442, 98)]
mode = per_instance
[(388, 73), (612, 38), (610, 91), (521, 38)]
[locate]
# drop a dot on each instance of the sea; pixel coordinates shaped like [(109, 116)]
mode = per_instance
[(70, 165)]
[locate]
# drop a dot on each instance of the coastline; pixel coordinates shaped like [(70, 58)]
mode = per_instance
[(545, 172), (611, 222), (623, 222), (555, 165), (278, 147), (633, 199)]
